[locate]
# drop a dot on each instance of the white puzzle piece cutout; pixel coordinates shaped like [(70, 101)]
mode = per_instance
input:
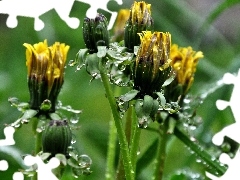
[(44, 171), (231, 131), (36, 8), (8, 132)]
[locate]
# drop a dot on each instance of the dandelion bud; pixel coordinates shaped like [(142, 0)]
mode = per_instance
[(140, 20), (45, 72), (95, 32), (152, 66), (56, 137)]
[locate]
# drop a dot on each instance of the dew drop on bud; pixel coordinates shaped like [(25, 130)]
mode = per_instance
[(84, 161)]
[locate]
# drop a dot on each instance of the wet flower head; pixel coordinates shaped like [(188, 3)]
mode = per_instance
[(95, 32), (141, 13), (152, 66), (140, 20), (45, 71), (184, 62)]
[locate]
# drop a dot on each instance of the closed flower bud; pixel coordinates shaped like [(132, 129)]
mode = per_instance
[(95, 32), (140, 20), (56, 137), (45, 72), (152, 67)]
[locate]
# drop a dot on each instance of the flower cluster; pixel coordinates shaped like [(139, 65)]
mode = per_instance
[(159, 74)]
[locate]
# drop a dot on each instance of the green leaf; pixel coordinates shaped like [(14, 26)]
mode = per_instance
[(147, 157), (215, 14), (218, 10)]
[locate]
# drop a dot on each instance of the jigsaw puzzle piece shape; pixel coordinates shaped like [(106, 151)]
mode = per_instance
[(63, 9), (3, 165), (44, 170), (8, 132), (34, 9)]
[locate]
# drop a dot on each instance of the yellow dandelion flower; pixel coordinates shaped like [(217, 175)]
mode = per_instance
[(184, 62), (45, 71), (152, 66)]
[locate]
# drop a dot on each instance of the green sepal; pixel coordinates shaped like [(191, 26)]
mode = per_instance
[(139, 108), (161, 98), (92, 64), (154, 109), (147, 105), (129, 95)]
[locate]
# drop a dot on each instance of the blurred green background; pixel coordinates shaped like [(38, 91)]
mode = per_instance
[(219, 42)]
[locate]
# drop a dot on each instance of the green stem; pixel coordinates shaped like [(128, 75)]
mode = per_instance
[(128, 125), (136, 133), (38, 141), (200, 152), (38, 136), (128, 131), (129, 173), (162, 145), (111, 150)]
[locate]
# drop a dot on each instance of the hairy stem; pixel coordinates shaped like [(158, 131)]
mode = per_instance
[(129, 173), (111, 150), (128, 131), (38, 141), (136, 133)]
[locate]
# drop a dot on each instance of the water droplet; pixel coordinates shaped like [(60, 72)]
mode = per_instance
[(198, 160), (72, 62), (16, 125), (143, 122), (68, 108), (13, 101), (22, 106), (84, 161), (74, 118), (24, 121), (74, 139)]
